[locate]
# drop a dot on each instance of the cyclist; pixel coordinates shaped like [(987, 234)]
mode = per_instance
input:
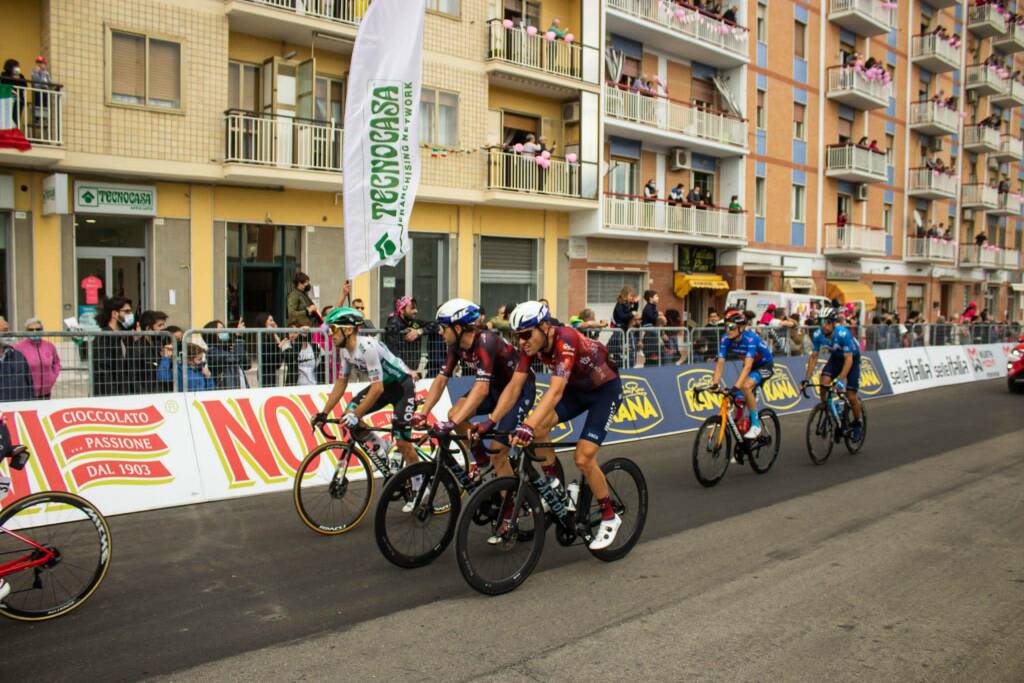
[(583, 380), (497, 365), (391, 383), (758, 364), (843, 366)]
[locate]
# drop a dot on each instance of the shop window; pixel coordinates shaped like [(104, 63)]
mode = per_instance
[(915, 299), (144, 71), (883, 297), (508, 271)]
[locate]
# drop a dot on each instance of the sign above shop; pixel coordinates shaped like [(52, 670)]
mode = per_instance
[(842, 270), (115, 198), (55, 194), (696, 259)]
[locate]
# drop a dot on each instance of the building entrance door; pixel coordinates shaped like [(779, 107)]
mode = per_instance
[(112, 249)]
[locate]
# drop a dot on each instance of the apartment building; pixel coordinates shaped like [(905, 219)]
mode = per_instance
[(188, 154)]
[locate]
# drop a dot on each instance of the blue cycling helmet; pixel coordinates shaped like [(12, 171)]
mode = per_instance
[(529, 314), (458, 312)]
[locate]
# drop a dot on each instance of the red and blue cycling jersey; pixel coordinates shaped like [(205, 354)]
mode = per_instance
[(746, 345), (490, 358), (582, 361), (840, 342)]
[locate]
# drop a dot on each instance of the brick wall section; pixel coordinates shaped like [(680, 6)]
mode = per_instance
[(659, 278)]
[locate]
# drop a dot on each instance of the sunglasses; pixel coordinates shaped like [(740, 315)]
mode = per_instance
[(731, 326), (524, 336), (34, 329)]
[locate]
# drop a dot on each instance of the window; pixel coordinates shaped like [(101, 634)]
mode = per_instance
[(329, 98), (703, 93), (844, 204), (423, 273), (883, 297), (508, 271), (800, 39), (846, 51), (243, 86), (915, 299), (439, 117), (762, 23), (706, 183), (444, 6), (759, 197), (759, 116), (144, 71), (890, 149), (798, 121), (603, 287), (622, 177), (887, 218), (798, 203), (845, 128), (526, 12), (4, 255)]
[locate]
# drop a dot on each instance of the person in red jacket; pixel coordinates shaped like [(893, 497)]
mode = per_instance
[(42, 357)]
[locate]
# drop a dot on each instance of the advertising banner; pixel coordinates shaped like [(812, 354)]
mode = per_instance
[(950, 365), (987, 361), (908, 369)]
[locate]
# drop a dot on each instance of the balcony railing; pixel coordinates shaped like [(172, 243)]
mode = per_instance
[(855, 159), (694, 25), (981, 138), (674, 116), (854, 239), (281, 141), (986, 80), (932, 184), (1013, 97), (1008, 205), (980, 195), (930, 249), (1008, 259), (1010, 149), (986, 256), (1012, 40), (865, 17), (627, 212), (932, 119), (850, 86), (985, 21), (516, 46), (518, 173), (341, 11), (38, 112), (934, 53)]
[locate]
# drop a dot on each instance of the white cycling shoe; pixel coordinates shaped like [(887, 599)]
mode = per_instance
[(605, 535), (417, 481), (753, 432), (5, 590)]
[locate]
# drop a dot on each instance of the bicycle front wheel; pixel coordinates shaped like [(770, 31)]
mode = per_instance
[(333, 488), (627, 490), (819, 435), (74, 532), (711, 452), (417, 537), (765, 450)]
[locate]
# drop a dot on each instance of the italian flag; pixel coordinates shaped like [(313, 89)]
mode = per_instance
[(10, 136)]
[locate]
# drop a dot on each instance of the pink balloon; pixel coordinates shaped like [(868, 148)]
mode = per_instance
[(518, 147), (539, 160), (569, 37), (571, 158), (531, 31), (680, 13), (546, 154), (507, 23), (549, 36)]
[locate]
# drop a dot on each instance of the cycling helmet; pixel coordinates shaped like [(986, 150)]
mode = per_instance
[(348, 317), (528, 314), (735, 316), (828, 315), (458, 312)]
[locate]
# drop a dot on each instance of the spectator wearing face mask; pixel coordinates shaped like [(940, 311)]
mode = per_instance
[(197, 375), (15, 373), (302, 312), (42, 357), (226, 356), (148, 350), (112, 359)]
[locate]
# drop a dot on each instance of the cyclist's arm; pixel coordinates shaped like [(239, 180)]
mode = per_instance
[(812, 360), (847, 365), (434, 394), (548, 402), (719, 367), (748, 363), (470, 403), (337, 393), (509, 396)]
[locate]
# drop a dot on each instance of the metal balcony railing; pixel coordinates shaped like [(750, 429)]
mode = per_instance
[(980, 195), (341, 11), (1008, 204), (1010, 146), (981, 136), (518, 173), (927, 112), (281, 141), (870, 9), (516, 46), (931, 248), (635, 214), (673, 116), (697, 26), (929, 180), (855, 158), (985, 20), (931, 45), (848, 79), (986, 79), (38, 111), (854, 238), (980, 255)]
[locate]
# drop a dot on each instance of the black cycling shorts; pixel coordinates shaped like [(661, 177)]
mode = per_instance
[(401, 396)]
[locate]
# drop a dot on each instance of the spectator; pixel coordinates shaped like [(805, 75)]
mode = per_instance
[(272, 349), (734, 205), (302, 312), (874, 147), (695, 197), (650, 191), (676, 195), (112, 373), (941, 331), (15, 373), (556, 28), (799, 338), (841, 219), (649, 316), (530, 147), (197, 374), (873, 335), (729, 16), (626, 304), (981, 239), (361, 307), (671, 339), (403, 332), (4, 325), (12, 75), (863, 142), (226, 356), (948, 234), (1004, 186), (42, 358), (587, 323), (307, 360), (500, 324), (147, 352)]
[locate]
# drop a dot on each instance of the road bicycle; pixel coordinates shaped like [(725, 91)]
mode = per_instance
[(512, 509), (830, 422), (713, 448), (335, 482), (55, 550), (435, 488)]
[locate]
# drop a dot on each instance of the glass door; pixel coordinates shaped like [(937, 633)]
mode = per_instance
[(423, 274)]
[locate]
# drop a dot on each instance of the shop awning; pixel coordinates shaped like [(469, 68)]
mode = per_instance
[(684, 282), (846, 292)]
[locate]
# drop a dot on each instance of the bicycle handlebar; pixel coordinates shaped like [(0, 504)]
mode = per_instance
[(817, 385)]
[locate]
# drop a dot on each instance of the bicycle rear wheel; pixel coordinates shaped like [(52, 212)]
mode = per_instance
[(627, 490), (333, 498), (854, 446), (78, 536), (819, 435), (417, 538), (711, 456), (498, 568), (765, 450)]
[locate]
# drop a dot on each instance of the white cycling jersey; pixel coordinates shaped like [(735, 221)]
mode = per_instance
[(374, 359)]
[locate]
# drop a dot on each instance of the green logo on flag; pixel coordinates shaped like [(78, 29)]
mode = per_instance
[(385, 246)]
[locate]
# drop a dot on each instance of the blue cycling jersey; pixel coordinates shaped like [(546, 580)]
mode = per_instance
[(747, 345), (841, 341)]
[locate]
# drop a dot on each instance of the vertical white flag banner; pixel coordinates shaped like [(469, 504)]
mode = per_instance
[(382, 156)]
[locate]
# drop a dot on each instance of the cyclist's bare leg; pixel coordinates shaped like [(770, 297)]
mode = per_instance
[(854, 400), (586, 461), (407, 450), (748, 395), (543, 434), (826, 382)]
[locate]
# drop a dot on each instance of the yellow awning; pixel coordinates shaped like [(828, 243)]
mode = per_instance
[(684, 282), (846, 292)]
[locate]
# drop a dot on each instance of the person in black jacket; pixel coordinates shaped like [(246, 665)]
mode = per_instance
[(272, 348), (226, 356), (649, 318), (15, 374), (403, 332), (147, 351), (112, 359), (626, 305)]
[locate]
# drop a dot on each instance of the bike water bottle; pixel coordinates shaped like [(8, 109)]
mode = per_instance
[(741, 420), (574, 493)]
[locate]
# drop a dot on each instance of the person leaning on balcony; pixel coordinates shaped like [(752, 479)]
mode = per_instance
[(863, 142), (981, 239), (12, 75), (676, 195), (734, 205), (530, 148), (650, 191), (1004, 186), (695, 198), (948, 234), (842, 219), (556, 28), (729, 16)]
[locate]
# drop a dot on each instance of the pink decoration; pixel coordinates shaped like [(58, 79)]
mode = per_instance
[(680, 14), (546, 154), (571, 158), (531, 31), (539, 160), (507, 23), (569, 38), (549, 36), (518, 147)]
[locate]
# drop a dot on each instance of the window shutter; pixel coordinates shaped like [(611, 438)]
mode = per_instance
[(164, 74), (128, 68), (508, 259), (798, 113), (234, 83), (603, 286)]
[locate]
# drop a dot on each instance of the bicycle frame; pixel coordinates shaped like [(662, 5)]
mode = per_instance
[(566, 519), (28, 561)]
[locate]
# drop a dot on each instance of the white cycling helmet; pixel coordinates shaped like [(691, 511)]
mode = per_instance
[(528, 314), (827, 314), (458, 312)]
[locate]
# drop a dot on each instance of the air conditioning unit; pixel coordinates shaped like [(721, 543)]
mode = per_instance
[(680, 160), (571, 112), (935, 144), (862, 193), (972, 96), (968, 214)]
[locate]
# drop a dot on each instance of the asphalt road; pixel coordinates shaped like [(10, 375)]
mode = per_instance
[(906, 561)]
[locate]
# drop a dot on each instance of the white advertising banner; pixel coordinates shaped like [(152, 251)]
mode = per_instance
[(908, 369), (950, 365), (988, 361), (381, 148)]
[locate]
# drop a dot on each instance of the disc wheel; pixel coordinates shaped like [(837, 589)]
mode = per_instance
[(416, 538), (765, 450), (852, 446), (75, 532), (627, 490), (332, 493), (819, 435), (710, 454)]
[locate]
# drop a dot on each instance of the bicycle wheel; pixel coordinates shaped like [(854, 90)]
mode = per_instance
[(854, 446), (417, 538), (711, 456), (78, 536), (627, 489), (766, 448), (819, 435), (332, 497), (498, 568)]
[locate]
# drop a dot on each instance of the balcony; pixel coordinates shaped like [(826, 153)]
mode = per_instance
[(934, 54), (852, 88), (39, 116), (1011, 41), (517, 180), (673, 123), (857, 164), (280, 151), (679, 31), (981, 139), (1008, 259), (984, 21), (1010, 149), (298, 21), (516, 56), (863, 17), (854, 240), (987, 256), (1008, 205), (929, 118), (927, 183), (627, 214), (929, 250), (979, 196), (1014, 96), (985, 81)]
